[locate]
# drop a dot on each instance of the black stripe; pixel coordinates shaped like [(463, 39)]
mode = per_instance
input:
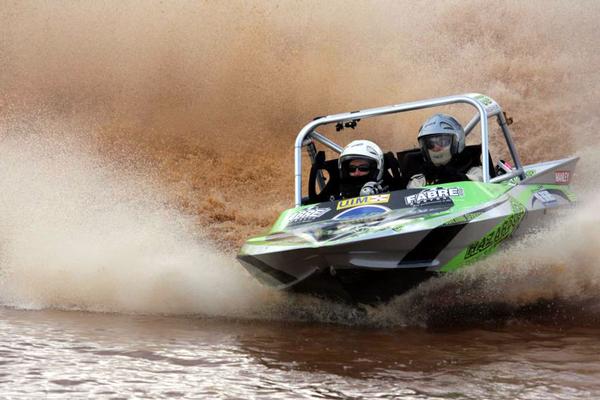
[(432, 244), (435, 241), (280, 276)]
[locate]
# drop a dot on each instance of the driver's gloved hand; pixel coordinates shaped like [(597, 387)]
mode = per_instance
[(371, 188)]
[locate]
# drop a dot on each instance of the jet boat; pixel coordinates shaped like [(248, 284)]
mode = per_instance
[(368, 249)]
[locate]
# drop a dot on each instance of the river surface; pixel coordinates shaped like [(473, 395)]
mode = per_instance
[(72, 354)]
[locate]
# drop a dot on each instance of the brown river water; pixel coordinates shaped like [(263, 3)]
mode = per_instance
[(81, 355), (142, 142)]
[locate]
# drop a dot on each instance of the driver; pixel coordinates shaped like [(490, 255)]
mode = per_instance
[(361, 169), (442, 140)]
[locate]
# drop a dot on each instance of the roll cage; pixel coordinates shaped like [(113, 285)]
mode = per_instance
[(486, 108)]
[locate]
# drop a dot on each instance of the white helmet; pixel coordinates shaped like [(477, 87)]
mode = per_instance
[(441, 137), (365, 150)]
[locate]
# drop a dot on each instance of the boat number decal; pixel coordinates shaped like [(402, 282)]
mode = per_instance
[(562, 176), (361, 212), (492, 239), (363, 201), (308, 214), (430, 196), (545, 197)]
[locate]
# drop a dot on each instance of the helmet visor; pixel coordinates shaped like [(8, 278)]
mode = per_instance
[(358, 167), (438, 148), (436, 142)]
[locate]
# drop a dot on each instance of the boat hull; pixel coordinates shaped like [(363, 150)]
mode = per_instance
[(376, 256), (370, 270)]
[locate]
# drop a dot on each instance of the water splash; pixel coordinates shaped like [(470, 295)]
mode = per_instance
[(211, 109), (76, 232), (204, 90)]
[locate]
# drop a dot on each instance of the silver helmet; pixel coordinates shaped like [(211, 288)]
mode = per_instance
[(441, 137)]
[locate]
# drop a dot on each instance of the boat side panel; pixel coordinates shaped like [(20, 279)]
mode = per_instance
[(442, 241), (530, 206)]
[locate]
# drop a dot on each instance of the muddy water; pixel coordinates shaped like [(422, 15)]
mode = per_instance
[(79, 355), (209, 98), (141, 142)]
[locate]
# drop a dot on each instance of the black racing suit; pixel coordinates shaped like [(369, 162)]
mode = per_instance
[(352, 187), (437, 175)]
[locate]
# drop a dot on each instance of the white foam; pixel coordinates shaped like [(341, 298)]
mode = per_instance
[(78, 232)]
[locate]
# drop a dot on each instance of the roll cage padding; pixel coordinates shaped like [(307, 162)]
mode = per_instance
[(391, 177), (332, 186)]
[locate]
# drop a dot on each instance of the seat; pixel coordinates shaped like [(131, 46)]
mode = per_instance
[(391, 177), (411, 162), (332, 185), (471, 157)]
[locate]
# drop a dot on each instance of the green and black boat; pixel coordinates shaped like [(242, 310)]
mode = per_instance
[(370, 248)]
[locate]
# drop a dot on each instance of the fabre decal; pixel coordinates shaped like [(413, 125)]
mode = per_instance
[(363, 201), (562, 176), (430, 196), (308, 214), (361, 212)]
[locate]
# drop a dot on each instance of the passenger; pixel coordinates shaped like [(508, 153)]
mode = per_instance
[(442, 139), (361, 169)]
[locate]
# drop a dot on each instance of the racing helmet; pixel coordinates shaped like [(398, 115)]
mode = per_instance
[(362, 150), (441, 137)]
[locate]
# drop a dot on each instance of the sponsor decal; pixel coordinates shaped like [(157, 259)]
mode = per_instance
[(490, 105), (398, 228), (545, 197), (491, 240), (516, 179), (361, 212), (308, 214), (562, 176), (363, 201), (430, 196), (484, 99)]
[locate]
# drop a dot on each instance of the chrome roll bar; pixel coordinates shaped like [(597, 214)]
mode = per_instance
[(485, 106)]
